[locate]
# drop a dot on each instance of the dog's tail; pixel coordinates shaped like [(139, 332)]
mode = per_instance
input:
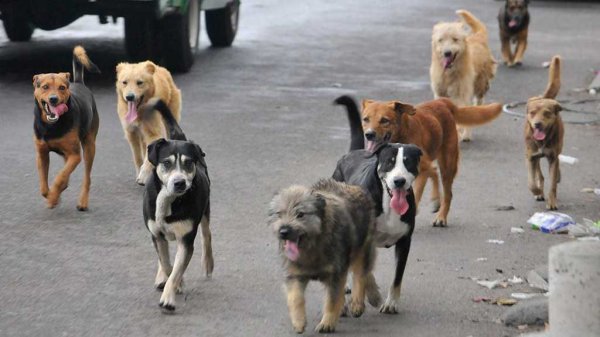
[(173, 128), (473, 22), (357, 140), (553, 78), (474, 115), (81, 61)]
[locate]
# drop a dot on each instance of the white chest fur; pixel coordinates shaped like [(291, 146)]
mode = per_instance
[(389, 228)]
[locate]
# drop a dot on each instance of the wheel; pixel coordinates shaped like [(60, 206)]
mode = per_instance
[(15, 21), (141, 39), (222, 24), (179, 36)]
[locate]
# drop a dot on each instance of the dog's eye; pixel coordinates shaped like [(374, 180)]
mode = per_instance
[(45, 87), (166, 164), (366, 119), (139, 83), (300, 215), (384, 121), (454, 39), (62, 88), (124, 82)]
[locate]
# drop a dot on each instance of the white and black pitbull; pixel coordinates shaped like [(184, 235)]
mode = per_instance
[(176, 202), (387, 175)]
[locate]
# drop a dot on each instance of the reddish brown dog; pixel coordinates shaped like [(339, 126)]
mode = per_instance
[(66, 120), (544, 132), (432, 127)]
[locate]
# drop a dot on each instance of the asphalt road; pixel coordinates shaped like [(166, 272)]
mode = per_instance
[(262, 112)]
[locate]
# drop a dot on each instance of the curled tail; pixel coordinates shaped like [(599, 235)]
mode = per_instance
[(474, 115), (473, 22), (553, 78), (81, 61), (357, 140), (173, 128)]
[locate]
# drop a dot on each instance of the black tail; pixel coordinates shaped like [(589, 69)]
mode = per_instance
[(173, 128), (357, 141), (81, 62)]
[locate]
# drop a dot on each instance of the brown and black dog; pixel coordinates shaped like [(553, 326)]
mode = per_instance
[(65, 121), (544, 132), (431, 126), (513, 20)]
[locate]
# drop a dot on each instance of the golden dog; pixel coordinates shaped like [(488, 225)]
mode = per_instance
[(462, 65), (136, 84)]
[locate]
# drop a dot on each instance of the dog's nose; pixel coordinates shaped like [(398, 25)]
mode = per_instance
[(285, 232), (370, 135), (130, 97), (399, 181), (538, 125), (179, 185), (447, 53), (53, 99)]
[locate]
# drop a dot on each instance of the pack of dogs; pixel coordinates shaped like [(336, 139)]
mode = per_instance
[(334, 227)]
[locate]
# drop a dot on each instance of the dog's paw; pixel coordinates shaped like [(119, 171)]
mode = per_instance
[(440, 223), (82, 208), (325, 327), (167, 301), (299, 327), (551, 205), (357, 309), (167, 308), (435, 206), (539, 197), (517, 64), (390, 307), (160, 286), (465, 139), (44, 192), (374, 297), (52, 200), (345, 311)]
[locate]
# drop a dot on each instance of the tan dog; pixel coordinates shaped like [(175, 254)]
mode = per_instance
[(462, 65), (65, 121), (544, 132), (136, 84), (432, 127)]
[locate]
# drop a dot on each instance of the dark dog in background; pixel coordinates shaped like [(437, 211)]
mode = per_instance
[(513, 20), (325, 230), (176, 203), (65, 121)]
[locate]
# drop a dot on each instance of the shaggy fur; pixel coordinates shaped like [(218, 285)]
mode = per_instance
[(136, 84), (544, 132), (462, 65), (324, 231)]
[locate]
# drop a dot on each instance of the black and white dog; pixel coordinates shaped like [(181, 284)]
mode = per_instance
[(387, 175), (176, 202)]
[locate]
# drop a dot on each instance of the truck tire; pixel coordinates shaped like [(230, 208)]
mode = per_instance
[(141, 39), (16, 23), (179, 35), (222, 24)]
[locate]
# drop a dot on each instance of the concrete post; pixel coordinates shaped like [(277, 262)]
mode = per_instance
[(574, 305)]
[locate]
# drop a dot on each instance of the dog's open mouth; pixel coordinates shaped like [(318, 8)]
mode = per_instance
[(53, 112), (132, 109), (374, 145), (512, 23), (539, 134), (399, 203), (292, 249), (448, 61)]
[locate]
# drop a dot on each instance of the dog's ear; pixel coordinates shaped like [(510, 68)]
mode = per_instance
[(401, 108), (36, 84), (320, 204), (120, 66), (199, 154), (557, 108), (366, 102), (150, 67), (153, 150), (67, 76)]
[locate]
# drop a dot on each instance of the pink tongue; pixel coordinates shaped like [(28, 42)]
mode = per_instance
[(447, 62), (398, 202), (291, 250), (132, 113), (512, 23), (371, 146), (538, 134), (59, 109)]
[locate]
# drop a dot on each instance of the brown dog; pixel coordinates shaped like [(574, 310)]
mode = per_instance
[(462, 65), (432, 127), (513, 20), (66, 121), (136, 84), (544, 133)]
